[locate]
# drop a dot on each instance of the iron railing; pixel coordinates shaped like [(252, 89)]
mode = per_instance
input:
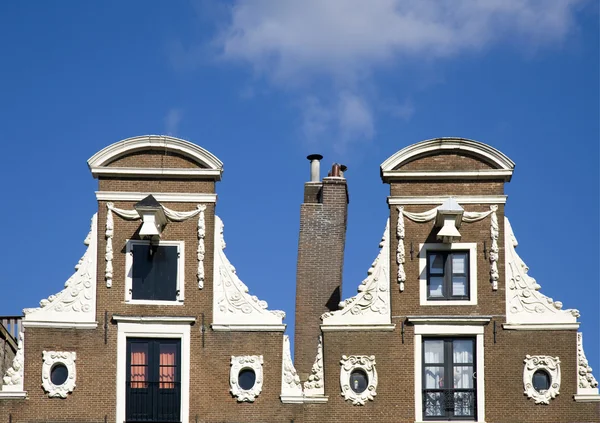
[(455, 404), (12, 324), (153, 402)]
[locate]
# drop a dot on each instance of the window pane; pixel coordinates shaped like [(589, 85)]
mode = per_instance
[(434, 404), (434, 377), (139, 365), (463, 377), (436, 285), (462, 351), (436, 264), (434, 351), (459, 263), (167, 364), (541, 381), (459, 286)]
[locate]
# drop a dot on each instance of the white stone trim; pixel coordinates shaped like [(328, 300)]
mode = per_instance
[(449, 320), (371, 306), (233, 306), (13, 395), (399, 175), (541, 362), (315, 385), (152, 330), (164, 142), (161, 197), (471, 247), (482, 151), (75, 305), (526, 306), (443, 330), (366, 363), (576, 397), (586, 382), (247, 328), (51, 359), (157, 172), (154, 319), (129, 269), (12, 382), (365, 328), (438, 200), (291, 388), (239, 363), (541, 326)]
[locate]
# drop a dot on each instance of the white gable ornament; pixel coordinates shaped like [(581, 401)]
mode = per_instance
[(233, 307), (239, 363), (12, 382), (371, 306), (291, 388), (366, 364), (548, 364), (526, 306), (75, 305), (587, 385), (315, 385), (58, 358)]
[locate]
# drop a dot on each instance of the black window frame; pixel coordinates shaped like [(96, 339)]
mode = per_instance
[(448, 366), (448, 274), (148, 401), (154, 288)]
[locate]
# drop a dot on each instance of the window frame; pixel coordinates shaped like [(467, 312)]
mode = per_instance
[(180, 279), (468, 247), (447, 275), (428, 330), (448, 365)]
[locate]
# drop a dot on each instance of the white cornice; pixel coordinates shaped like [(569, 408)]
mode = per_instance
[(13, 394), (399, 175), (484, 152), (247, 328), (316, 400), (449, 320), (157, 172), (542, 326), (581, 397), (436, 199), (162, 142), (357, 327), (163, 197), (154, 319), (58, 325)]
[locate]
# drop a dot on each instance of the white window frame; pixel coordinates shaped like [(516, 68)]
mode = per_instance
[(471, 247), (152, 330), (426, 330), (129, 269)]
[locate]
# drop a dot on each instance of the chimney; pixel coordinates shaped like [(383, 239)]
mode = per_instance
[(323, 217)]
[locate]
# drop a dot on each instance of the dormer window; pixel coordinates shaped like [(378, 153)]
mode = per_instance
[(154, 272)]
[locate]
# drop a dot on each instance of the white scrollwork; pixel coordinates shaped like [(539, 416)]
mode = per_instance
[(77, 301), (351, 363), (587, 383), (315, 385), (172, 216), (239, 363), (372, 303), (494, 249), (524, 303), (290, 381), (232, 302), (548, 364), (13, 378), (201, 247), (400, 253), (56, 358)]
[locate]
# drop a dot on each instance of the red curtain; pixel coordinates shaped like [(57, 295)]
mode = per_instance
[(167, 367), (139, 365)]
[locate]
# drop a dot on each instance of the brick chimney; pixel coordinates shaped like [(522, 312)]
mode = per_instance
[(323, 217)]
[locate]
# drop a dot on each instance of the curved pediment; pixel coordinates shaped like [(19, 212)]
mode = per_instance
[(153, 156)]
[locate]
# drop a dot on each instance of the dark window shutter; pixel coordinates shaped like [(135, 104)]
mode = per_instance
[(165, 273), (142, 278)]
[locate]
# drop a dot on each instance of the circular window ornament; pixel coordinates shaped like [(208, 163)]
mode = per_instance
[(58, 373), (246, 377), (358, 378), (541, 378)]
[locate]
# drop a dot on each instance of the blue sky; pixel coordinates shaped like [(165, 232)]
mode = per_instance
[(262, 84)]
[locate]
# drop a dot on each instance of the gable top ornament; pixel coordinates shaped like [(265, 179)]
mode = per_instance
[(209, 165), (501, 166)]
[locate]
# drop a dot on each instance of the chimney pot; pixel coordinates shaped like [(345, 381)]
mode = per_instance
[(315, 167)]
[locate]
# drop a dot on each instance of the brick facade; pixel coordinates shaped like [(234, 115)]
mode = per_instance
[(323, 218)]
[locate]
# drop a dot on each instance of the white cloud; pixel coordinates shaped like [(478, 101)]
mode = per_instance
[(293, 43), (172, 121)]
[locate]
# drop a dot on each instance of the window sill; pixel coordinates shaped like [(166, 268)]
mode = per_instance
[(154, 302), (446, 421), (447, 302)]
